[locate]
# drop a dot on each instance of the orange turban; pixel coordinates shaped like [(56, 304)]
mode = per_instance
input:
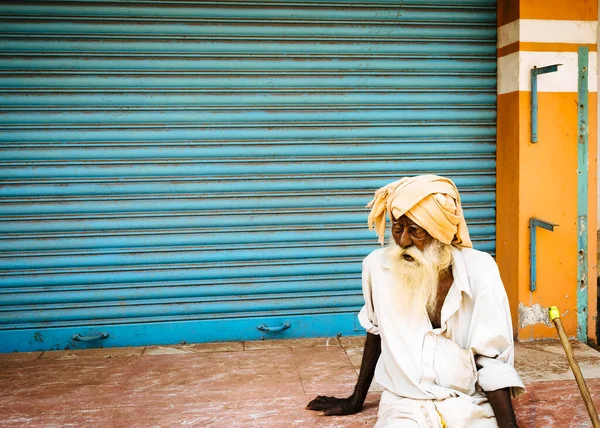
[(430, 201)]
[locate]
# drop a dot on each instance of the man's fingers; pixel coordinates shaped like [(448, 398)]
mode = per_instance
[(320, 406), (317, 406), (320, 403), (337, 410), (322, 400)]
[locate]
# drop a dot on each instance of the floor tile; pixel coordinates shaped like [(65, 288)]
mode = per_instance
[(41, 386), (546, 360), (355, 356), (163, 380), (93, 353), (325, 371), (194, 348), (555, 404), (20, 356), (60, 419), (272, 412), (353, 341), (292, 343)]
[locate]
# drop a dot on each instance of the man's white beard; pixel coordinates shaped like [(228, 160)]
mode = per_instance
[(417, 280)]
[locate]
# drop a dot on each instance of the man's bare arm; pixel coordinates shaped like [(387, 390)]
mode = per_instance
[(503, 409), (346, 406)]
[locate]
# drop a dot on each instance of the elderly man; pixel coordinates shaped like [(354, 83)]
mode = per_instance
[(439, 334)]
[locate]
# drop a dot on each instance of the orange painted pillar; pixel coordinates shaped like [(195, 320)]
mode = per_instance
[(540, 179)]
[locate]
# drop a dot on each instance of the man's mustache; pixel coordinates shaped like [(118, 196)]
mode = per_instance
[(410, 254)]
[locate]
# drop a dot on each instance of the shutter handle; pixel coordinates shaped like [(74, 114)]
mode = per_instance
[(284, 326), (79, 338)]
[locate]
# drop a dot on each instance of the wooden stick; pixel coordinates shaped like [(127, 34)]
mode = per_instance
[(585, 393)]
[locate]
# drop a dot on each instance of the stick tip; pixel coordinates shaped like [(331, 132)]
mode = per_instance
[(553, 312)]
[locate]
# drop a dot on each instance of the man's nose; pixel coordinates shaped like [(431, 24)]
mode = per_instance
[(405, 240)]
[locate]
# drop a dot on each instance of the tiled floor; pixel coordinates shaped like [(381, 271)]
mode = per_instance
[(252, 384)]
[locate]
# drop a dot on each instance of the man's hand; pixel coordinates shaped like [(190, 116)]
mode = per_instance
[(330, 406)]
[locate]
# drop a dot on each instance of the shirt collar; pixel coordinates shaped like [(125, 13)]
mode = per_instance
[(385, 261), (460, 284), (459, 272)]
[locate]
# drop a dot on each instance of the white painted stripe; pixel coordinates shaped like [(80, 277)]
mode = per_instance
[(547, 31), (508, 73), (514, 72), (508, 34)]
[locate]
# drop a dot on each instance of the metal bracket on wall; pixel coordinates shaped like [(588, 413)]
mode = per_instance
[(534, 96), (534, 223)]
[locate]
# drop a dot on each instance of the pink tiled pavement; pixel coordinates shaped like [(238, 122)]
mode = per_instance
[(34, 387), (253, 384), (555, 403), (186, 380)]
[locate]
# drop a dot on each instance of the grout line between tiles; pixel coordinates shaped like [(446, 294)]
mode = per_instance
[(298, 372), (349, 359), (115, 410), (125, 387)]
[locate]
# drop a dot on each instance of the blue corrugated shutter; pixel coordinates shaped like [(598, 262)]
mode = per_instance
[(188, 171)]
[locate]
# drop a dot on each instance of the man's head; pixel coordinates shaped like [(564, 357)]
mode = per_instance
[(429, 201), (426, 220)]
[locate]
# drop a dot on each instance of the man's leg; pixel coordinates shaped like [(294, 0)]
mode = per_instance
[(406, 413), (476, 413)]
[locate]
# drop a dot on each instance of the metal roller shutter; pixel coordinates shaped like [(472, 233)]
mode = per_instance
[(189, 171)]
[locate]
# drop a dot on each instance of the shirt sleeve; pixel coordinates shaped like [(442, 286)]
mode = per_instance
[(492, 336), (367, 317)]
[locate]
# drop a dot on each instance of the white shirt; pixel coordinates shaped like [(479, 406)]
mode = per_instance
[(472, 351)]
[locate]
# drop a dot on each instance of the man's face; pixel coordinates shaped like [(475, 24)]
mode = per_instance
[(407, 233), (415, 260)]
